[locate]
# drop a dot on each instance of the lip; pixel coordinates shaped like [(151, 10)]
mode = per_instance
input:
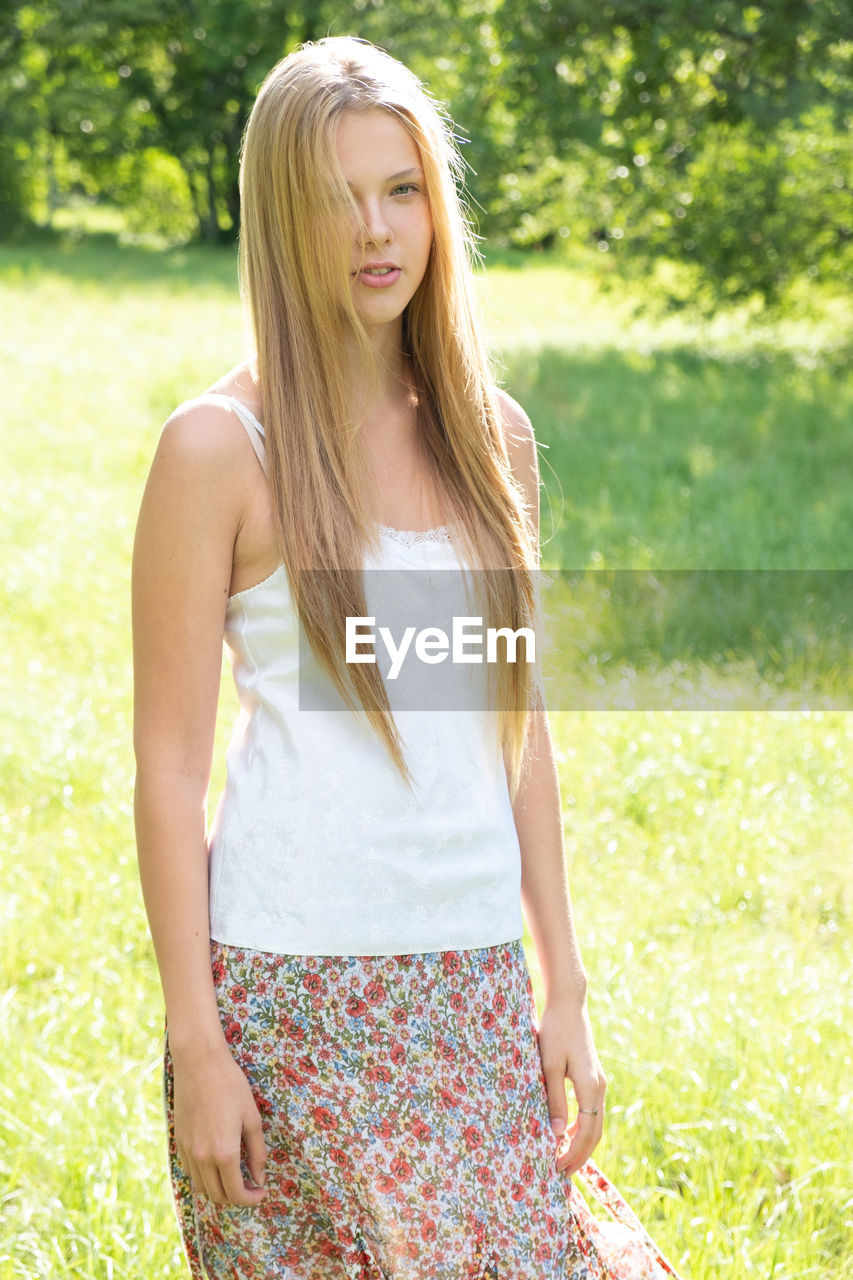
[(378, 282)]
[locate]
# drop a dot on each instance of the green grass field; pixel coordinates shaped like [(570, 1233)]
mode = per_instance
[(709, 851)]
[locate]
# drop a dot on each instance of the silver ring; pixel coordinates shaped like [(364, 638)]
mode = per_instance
[(589, 1111)]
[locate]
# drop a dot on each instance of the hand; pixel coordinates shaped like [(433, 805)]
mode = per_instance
[(567, 1050), (215, 1117)]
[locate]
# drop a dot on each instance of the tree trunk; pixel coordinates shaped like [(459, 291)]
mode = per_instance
[(50, 166), (232, 198), (198, 209), (232, 188), (212, 230)]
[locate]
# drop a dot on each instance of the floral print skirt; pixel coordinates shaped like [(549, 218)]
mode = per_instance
[(406, 1122)]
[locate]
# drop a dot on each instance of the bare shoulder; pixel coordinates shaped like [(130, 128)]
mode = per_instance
[(203, 481), (518, 429), (520, 446), (207, 428), (204, 439), (202, 427)]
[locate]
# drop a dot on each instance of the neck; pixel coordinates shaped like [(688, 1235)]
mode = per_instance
[(392, 384), (388, 344)]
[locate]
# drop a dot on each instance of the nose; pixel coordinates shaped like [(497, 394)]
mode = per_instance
[(376, 229)]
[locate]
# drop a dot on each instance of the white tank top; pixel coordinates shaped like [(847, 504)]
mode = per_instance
[(318, 847)]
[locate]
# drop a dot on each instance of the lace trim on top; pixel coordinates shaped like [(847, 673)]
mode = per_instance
[(412, 537)]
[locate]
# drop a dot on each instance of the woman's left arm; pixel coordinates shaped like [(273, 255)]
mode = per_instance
[(566, 1044)]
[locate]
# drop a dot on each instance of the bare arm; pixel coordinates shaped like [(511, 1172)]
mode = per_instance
[(565, 1037), (188, 523)]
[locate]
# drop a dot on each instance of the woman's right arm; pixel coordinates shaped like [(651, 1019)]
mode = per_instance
[(190, 515)]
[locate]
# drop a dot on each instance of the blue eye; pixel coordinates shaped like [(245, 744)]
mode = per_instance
[(405, 187)]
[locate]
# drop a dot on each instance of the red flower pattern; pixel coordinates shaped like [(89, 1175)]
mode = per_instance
[(420, 1130), (324, 1119), (473, 1137), (406, 1122), (397, 1053), (233, 1032)]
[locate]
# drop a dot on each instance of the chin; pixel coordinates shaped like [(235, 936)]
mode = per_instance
[(379, 314)]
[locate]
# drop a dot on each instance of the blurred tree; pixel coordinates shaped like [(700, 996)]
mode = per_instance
[(194, 68), (677, 97), (17, 129), (153, 79), (718, 133)]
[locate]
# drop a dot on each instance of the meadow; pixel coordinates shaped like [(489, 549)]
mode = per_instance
[(709, 850)]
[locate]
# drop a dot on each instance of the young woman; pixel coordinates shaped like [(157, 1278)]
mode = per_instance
[(357, 1083)]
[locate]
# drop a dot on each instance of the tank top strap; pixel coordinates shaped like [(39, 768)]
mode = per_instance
[(253, 428)]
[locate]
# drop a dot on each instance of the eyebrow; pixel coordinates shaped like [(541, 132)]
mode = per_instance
[(404, 173)]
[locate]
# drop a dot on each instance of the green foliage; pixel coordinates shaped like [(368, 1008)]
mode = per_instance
[(111, 79), (717, 133), (13, 188), (716, 124), (757, 211), (151, 185), (16, 133)]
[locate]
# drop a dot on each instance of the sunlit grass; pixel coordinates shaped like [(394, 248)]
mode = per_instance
[(709, 852), (581, 303)]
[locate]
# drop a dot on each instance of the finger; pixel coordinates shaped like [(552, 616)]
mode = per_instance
[(238, 1191), (585, 1136), (555, 1088), (206, 1181), (256, 1150)]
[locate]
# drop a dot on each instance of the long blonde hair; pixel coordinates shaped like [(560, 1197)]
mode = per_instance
[(294, 275)]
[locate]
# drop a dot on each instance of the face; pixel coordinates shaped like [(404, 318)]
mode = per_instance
[(382, 166)]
